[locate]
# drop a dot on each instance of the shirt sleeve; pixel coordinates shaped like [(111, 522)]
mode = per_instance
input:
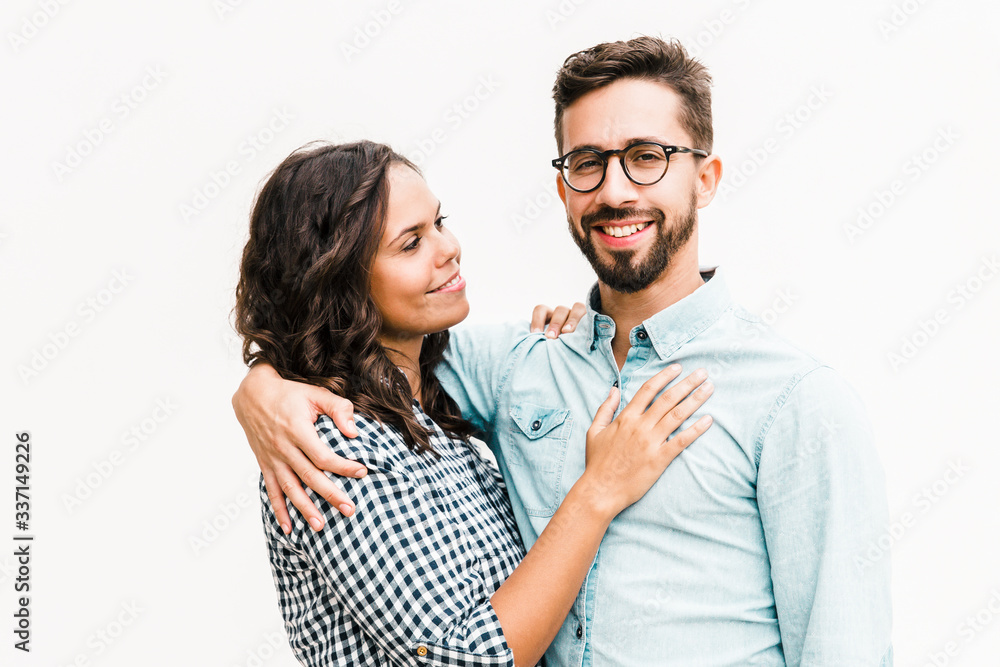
[(398, 567), (821, 495), (475, 365)]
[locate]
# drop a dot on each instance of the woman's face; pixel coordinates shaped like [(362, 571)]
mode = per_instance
[(416, 282)]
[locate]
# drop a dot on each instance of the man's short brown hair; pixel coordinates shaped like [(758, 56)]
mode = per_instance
[(647, 58)]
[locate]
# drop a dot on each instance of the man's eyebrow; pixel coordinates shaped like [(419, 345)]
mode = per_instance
[(628, 142), (417, 226)]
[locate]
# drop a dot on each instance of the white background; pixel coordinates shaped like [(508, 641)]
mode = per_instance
[(118, 554)]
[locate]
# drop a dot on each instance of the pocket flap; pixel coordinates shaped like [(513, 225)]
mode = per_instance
[(535, 421)]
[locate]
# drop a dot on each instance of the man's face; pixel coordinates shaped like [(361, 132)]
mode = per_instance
[(630, 233)]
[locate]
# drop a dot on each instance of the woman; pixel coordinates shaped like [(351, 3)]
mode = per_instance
[(350, 281)]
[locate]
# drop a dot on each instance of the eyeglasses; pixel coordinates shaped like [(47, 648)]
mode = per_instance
[(644, 163)]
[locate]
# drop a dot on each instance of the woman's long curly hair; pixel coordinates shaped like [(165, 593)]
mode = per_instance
[(304, 303)]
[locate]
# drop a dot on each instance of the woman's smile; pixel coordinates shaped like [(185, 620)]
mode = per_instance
[(455, 284)]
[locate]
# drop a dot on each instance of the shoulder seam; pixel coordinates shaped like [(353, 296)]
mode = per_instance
[(779, 403)]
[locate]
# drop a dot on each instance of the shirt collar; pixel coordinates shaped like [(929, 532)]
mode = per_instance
[(673, 326)]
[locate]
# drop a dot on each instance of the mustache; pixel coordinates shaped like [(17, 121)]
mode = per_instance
[(608, 214)]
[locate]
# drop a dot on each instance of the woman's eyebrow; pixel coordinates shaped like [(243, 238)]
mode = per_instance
[(417, 226)]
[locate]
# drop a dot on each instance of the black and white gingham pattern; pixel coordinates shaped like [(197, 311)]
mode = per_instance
[(407, 580)]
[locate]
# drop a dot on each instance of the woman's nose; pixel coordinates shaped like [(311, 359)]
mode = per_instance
[(449, 248)]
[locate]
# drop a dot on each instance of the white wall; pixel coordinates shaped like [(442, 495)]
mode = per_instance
[(885, 79)]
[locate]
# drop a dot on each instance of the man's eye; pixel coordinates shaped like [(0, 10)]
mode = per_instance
[(585, 165)]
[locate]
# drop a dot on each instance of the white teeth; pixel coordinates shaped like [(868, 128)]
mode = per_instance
[(627, 230), (449, 283)]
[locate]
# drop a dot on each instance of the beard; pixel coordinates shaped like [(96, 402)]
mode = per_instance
[(620, 274)]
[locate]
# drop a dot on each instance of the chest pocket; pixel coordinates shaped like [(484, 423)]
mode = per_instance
[(536, 454)]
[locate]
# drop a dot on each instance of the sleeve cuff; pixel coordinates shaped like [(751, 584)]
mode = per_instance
[(441, 656), (481, 643)]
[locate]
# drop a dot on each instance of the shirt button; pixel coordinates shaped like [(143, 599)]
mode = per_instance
[(641, 335), (579, 632), (421, 651), (535, 425)]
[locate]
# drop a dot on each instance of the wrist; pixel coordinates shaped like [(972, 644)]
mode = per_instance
[(595, 496), (261, 369), (250, 386)]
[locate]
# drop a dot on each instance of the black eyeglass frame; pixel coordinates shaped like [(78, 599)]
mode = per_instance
[(605, 156)]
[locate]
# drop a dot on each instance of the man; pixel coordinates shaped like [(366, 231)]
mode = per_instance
[(746, 549)]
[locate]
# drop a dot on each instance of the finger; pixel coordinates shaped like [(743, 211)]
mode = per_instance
[(305, 439), (539, 316), (338, 408), (575, 315), (606, 412), (292, 489), (338, 465), (680, 442), (649, 390), (672, 420), (672, 397), (277, 499), (308, 474), (557, 321)]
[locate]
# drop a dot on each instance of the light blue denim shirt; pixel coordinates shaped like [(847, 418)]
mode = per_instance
[(753, 547)]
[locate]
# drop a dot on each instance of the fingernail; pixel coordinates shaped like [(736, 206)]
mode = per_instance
[(316, 524), (286, 529), (346, 509), (674, 368), (550, 334), (707, 386), (700, 374), (361, 472), (535, 330), (704, 421), (567, 328)]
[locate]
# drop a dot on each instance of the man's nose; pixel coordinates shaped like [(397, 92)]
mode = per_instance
[(616, 189)]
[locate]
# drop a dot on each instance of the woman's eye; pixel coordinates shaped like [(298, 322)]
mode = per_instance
[(412, 245)]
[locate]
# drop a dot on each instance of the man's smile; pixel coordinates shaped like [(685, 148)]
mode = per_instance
[(623, 234)]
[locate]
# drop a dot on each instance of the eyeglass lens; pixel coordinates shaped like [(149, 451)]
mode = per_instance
[(644, 163)]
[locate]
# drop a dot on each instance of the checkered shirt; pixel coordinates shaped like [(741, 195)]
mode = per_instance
[(407, 579)]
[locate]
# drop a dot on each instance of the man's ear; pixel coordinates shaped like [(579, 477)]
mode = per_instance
[(709, 176), (561, 187)]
